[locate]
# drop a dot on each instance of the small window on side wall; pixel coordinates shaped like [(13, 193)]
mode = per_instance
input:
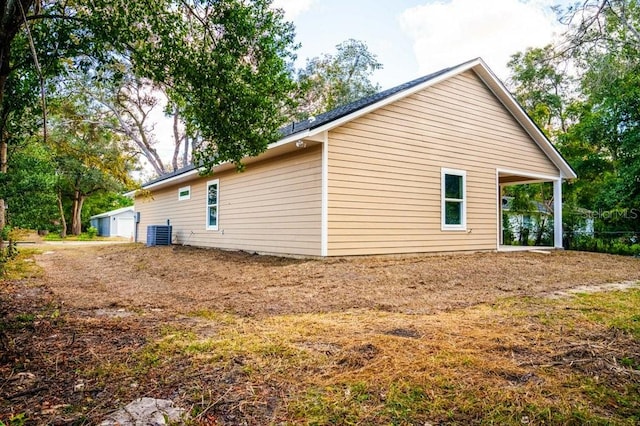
[(212, 204), (184, 193), (454, 200)]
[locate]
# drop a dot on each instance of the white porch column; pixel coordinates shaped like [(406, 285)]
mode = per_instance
[(500, 227), (557, 213)]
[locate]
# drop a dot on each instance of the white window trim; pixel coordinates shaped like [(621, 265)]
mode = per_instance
[(206, 202), (184, 197), (463, 225)]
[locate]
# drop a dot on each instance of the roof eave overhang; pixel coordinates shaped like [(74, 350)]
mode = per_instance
[(494, 84), (314, 133), (113, 212), (282, 146), (505, 97)]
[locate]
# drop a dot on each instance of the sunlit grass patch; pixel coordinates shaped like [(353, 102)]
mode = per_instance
[(22, 266), (617, 309), (512, 363), (518, 361), (217, 317)]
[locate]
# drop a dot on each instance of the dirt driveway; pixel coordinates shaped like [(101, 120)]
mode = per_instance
[(182, 280)]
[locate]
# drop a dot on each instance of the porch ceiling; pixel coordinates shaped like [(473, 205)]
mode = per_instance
[(516, 179)]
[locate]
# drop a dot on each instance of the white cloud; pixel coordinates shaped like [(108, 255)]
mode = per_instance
[(293, 8), (451, 32)]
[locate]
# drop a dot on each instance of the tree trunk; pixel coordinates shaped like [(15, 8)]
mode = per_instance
[(76, 213), (542, 224), (185, 152), (11, 20), (178, 139), (3, 170), (63, 232)]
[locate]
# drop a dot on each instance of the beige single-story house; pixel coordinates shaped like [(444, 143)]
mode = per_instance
[(413, 169)]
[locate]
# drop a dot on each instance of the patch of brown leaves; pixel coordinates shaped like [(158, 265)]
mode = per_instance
[(182, 279), (80, 339)]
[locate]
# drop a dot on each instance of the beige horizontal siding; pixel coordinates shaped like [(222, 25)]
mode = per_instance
[(384, 170), (273, 207)]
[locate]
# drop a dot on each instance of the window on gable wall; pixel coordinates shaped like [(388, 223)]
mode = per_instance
[(184, 193), (454, 199), (212, 204)]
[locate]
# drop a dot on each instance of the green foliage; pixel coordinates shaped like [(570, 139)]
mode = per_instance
[(92, 232), (29, 187), (226, 64), (541, 85), (7, 254), (19, 419), (532, 206), (594, 117), (621, 246), (330, 81), (52, 237), (87, 156)]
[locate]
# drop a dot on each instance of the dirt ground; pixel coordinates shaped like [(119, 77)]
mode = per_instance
[(183, 280), (81, 338)]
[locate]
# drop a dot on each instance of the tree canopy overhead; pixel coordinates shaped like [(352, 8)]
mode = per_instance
[(585, 92), (223, 64), (331, 80)]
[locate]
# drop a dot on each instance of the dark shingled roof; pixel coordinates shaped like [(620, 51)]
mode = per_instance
[(169, 175), (347, 109), (329, 116)]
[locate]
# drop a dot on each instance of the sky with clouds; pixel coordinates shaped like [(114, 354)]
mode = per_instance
[(415, 37)]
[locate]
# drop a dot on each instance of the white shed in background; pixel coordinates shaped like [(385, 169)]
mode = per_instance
[(115, 223)]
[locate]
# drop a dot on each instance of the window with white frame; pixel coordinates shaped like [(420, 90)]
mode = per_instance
[(184, 193), (454, 199), (213, 193)]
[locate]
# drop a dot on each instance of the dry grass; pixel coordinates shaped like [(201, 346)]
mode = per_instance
[(182, 280), (241, 339)]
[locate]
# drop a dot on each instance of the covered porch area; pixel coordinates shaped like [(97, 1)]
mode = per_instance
[(507, 178)]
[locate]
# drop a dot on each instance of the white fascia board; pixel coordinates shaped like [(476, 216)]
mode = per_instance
[(393, 98), (500, 91), (112, 212), (172, 179), (289, 139), (324, 214), (186, 176)]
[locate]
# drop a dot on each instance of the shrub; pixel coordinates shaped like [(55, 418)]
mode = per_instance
[(53, 237), (92, 232), (621, 246)]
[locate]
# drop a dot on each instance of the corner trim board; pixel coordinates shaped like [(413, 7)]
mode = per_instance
[(324, 225)]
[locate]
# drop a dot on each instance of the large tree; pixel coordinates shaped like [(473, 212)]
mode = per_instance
[(600, 114), (29, 188), (225, 62), (542, 85), (87, 157), (135, 106), (331, 80), (605, 43)]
